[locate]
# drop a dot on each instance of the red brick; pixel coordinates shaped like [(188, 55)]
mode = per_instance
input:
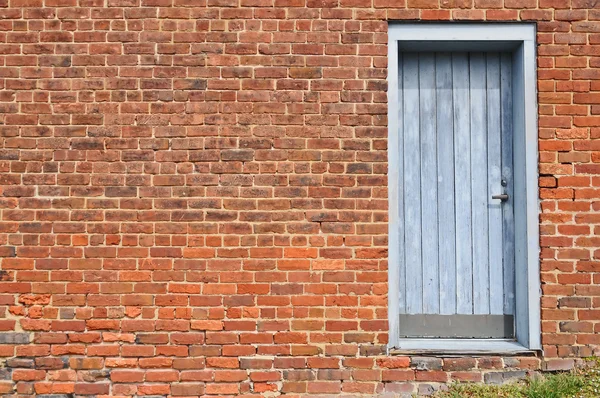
[(221, 218), (394, 362)]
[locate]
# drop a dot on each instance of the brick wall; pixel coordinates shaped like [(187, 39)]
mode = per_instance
[(193, 195)]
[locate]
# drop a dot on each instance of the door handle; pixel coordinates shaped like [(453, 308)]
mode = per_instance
[(503, 197)]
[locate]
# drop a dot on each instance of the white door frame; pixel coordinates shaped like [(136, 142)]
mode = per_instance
[(520, 38)]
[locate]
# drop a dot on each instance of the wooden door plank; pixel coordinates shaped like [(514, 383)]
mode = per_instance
[(429, 181), (494, 146), (412, 186), (445, 170), (462, 178), (508, 229), (479, 190)]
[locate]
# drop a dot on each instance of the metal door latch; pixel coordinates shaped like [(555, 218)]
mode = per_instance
[(503, 197)]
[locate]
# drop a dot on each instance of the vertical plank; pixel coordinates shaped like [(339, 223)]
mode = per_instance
[(508, 229), (429, 219), (494, 146), (479, 189), (445, 170), (462, 177), (412, 186)]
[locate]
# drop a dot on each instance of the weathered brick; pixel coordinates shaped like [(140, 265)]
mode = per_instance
[(502, 377), (14, 338), (220, 166), (558, 364), (20, 363), (426, 363)]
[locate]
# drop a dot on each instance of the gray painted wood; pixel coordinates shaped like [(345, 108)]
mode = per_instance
[(412, 185), (429, 183), (520, 39), (462, 176), (520, 200), (445, 169), (532, 286), (482, 326), (459, 347), (396, 206), (494, 169), (508, 228), (451, 166), (467, 34), (479, 183), (400, 187)]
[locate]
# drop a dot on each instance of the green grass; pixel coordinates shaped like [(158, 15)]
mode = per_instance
[(582, 383), (554, 386)]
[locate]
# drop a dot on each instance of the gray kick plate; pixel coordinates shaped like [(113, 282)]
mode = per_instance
[(457, 326)]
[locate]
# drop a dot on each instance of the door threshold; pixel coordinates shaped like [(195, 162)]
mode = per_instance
[(459, 347)]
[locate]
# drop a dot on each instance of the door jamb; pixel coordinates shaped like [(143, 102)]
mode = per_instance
[(521, 37)]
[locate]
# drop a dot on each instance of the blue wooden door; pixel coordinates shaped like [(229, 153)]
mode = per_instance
[(456, 255)]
